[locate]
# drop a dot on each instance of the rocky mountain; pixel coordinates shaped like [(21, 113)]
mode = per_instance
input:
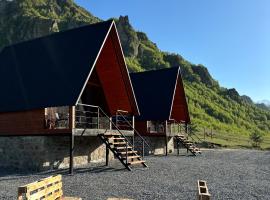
[(26, 19), (264, 104), (210, 105)]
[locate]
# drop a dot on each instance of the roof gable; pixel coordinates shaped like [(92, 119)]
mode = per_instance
[(154, 92), (160, 94), (179, 109)]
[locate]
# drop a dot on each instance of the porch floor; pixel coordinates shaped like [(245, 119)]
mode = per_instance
[(95, 132)]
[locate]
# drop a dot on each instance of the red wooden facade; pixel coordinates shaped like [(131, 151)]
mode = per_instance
[(108, 86)]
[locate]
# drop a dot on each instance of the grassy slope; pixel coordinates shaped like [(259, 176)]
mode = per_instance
[(210, 105)]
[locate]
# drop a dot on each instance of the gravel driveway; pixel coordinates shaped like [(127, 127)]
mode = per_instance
[(230, 174)]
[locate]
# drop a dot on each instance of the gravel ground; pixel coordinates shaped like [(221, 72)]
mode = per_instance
[(230, 174)]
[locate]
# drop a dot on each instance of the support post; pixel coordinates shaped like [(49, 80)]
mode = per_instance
[(166, 138), (107, 155), (71, 152), (177, 143), (71, 139)]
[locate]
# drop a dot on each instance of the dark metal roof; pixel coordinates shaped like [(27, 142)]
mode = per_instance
[(154, 91), (49, 71)]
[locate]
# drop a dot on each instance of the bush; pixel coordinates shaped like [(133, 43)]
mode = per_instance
[(256, 139)]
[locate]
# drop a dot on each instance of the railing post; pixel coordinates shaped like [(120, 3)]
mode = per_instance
[(133, 140), (98, 118), (133, 122), (110, 123)]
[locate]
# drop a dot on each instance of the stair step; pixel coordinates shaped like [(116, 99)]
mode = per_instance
[(118, 143), (188, 142), (120, 148), (111, 134), (180, 136), (130, 157), (129, 152), (136, 162), (120, 138)]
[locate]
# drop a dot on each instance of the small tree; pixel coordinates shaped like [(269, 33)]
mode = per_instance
[(256, 139)]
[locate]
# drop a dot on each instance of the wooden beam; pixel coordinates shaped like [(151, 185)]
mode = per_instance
[(71, 117)]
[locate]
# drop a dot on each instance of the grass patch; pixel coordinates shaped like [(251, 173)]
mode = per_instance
[(232, 140)]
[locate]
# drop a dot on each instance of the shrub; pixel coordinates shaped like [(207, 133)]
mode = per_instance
[(256, 139)]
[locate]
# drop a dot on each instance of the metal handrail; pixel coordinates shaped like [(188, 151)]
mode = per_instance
[(175, 123), (127, 141), (196, 137), (135, 130)]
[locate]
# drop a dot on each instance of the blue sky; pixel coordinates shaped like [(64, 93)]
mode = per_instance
[(231, 38)]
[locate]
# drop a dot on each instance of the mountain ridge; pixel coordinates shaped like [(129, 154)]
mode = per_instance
[(210, 104)]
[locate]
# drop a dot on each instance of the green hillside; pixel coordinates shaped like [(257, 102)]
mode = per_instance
[(210, 105)]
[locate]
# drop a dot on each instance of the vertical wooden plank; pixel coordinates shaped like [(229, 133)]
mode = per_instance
[(71, 117)]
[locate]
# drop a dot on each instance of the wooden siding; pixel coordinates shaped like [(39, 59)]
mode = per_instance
[(114, 78), (179, 108), (26, 123)]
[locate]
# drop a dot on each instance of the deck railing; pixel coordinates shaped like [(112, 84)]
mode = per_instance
[(90, 117), (93, 117)]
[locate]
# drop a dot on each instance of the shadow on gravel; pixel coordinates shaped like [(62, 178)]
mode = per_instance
[(13, 175), (97, 170)]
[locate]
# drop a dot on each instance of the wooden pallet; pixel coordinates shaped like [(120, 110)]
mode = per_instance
[(46, 189)]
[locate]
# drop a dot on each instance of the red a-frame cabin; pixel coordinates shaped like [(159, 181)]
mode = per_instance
[(161, 98), (63, 83)]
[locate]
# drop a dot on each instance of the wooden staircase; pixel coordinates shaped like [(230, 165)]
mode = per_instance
[(122, 149), (188, 144)]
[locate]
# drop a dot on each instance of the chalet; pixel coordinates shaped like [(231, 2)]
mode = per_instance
[(163, 107), (60, 93)]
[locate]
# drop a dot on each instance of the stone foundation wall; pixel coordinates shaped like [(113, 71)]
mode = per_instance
[(157, 145), (44, 153)]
